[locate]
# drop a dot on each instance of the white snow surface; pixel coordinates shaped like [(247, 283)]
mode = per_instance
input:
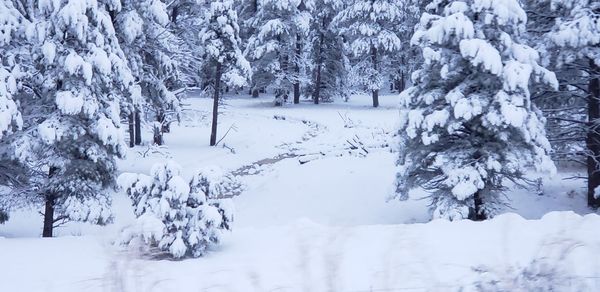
[(315, 221)]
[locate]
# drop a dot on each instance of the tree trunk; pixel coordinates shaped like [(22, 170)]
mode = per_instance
[(49, 209), (138, 128), (477, 214), (593, 138), (375, 67), (48, 217), (317, 96), (297, 69), (255, 92), (213, 131), (131, 130)]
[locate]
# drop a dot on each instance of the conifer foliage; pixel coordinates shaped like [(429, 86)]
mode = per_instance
[(468, 124), (175, 217)]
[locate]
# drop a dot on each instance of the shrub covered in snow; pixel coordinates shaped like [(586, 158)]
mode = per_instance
[(174, 216)]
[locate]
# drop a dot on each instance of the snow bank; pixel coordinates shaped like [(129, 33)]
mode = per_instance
[(306, 256)]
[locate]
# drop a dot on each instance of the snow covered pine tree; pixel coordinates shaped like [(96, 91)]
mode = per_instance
[(175, 217), (370, 26), (279, 26), (141, 26), (468, 124), (220, 37), (76, 79), (575, 39)]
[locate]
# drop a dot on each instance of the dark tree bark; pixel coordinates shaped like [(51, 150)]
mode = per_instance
[(255, 92), (375, 67), (297, 69), (138, 127), (477, 214), (213, 131), (317, 96), (131, 130), (49, 208), (593, 138), (158, 129)]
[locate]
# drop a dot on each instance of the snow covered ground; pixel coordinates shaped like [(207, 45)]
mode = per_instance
[(314, 216)]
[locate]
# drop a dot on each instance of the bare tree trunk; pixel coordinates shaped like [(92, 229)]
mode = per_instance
[(297, 69), (213, 131), (593, 138), (138, 127), (317, 96), (131, 130), (49, 209), (375, 67)]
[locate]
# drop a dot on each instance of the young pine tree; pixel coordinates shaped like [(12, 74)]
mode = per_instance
[(468, 124), (221, 42), (176, 217), (370, 27)]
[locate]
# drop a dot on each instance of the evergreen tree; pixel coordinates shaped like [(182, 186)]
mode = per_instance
[(469, 126), (280, 26), (370, 27), (221, 42), (76, 80), (567, 32), (144, 36), (330, 76), (175, 217)]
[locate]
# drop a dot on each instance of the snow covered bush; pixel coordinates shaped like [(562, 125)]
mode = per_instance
[(467, 124), (176, 217)]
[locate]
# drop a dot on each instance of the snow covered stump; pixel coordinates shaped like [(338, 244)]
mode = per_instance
[(175, 217)]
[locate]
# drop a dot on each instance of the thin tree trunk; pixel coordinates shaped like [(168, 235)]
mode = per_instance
[(49, 209), (213, 131), (375, 67), (138, 128), (157, 131), (593, 139), (131, 130), (48, 216), (317, 96), (297, 70)]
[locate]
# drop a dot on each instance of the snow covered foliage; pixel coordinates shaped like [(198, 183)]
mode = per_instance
[(371, 29), (468, 125), (328, 53), (75, 79), (142, 28), (176, 217), (278, 26), (221, 41), (12, 35)]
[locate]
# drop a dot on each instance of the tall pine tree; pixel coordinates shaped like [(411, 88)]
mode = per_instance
[(469, 125), (221, 42)]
